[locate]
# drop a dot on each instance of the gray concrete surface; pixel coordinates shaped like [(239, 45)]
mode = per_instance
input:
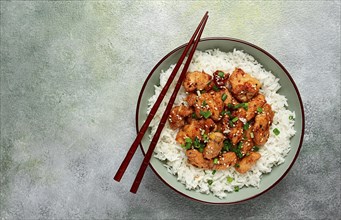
[(70, 76)]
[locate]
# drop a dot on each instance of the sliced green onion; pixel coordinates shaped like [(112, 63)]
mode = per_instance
[(209, 83), (236, 188), (229, 179), (230, 105), (188, 143), (224, 112), (196, 142), (213, 172), (201, 149), (291, 117), (231, 124), (259, 110), (205, 137), (194, 116), (255, 148), (209, 182), (223, 96), (215, 160), (239, 146), (206, 114), (221, 74), (215, 88), (246, 106), (237, 165), (188, 140), (235, 119), (227, 145), (204, 103), (276, 131), (246, 126)]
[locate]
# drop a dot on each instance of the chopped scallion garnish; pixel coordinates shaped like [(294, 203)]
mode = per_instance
[(229, 179), (205, 137), (255, 148), (204, 103), (221, 74), (236, 188), (223, 96), (194, 116), (231, 124), (246, 126), (206, 114), (227, 145), (237, 165), (215, 88), (291, 117), (209, 182), (213, 172), (235, 119), (215, 160), (188, 143), (259, 110), (276, 131)]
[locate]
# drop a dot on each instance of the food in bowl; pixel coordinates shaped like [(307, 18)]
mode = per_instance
[(228, 124)]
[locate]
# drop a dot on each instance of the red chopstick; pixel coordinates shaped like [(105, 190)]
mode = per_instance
[(132, 150), (165, 115)]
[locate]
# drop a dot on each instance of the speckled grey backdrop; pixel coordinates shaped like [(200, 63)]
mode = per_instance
[(70, 76)]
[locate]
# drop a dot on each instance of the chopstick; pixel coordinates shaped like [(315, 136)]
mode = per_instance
[(165, 115), (132, 150)]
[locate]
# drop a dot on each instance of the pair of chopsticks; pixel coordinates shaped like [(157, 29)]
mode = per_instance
[(132, 150)]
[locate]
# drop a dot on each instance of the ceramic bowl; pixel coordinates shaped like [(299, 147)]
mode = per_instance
[(288, 89)]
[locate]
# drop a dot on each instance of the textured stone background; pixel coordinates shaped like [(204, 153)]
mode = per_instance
[(70, 76)]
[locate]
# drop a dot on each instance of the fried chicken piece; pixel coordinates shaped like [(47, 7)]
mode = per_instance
[(247, 162), (196, 81), (207, 103), (244, 86), (214, 145), (195, 129), (223, 126), (190, 130), (229, 98), (177, 116), (256, 102), (226, 160), (197, 159), (247, 140), (236, 132), (263, 121)]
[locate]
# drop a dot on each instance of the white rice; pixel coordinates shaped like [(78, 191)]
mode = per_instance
[(273, 152)]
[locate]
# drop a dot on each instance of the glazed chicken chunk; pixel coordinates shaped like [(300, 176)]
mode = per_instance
[(256, 102), (177, 116), (236, 131), (226, 160), (247, 162), (262, 125), (244, 86), (214, 145), (197, 159), (195, 129), (206, 105), (196, 81)]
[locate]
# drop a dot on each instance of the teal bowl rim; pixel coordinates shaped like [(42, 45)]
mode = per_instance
[(271, 57)]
